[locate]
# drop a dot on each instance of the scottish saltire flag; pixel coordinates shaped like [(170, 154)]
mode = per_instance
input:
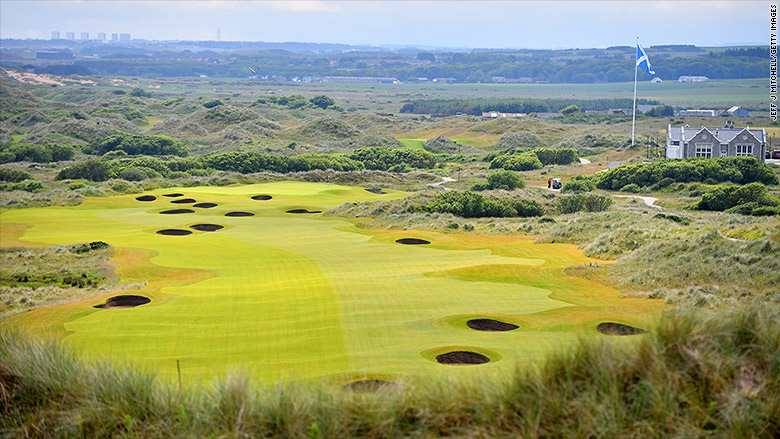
[(641, 59)]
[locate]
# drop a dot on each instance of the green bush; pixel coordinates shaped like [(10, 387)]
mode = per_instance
[(212, 103), (383, 158), (30, 152), (27, 186), (92, 170), (133, 174), (561, 156), (507, 180), (740, 170), (631, 187), (14, 175), (136, 145), (471, 205), (516, 162), (727, 197), (586, 202), (578, 184)]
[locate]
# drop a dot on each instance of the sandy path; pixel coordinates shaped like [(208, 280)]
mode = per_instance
[(650, 201)]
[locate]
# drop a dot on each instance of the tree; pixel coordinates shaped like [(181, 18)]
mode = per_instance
[(322, 101), (507, 180), (571, 109)]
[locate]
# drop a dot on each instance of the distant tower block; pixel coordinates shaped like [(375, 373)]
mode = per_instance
[(70, 36), (101, 36), (124, 38), (114, 38), (55, 35), (85, 35)]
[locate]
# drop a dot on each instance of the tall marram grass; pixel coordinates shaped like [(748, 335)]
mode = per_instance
[(714, 375)]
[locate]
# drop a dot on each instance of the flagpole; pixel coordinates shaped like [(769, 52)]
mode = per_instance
[(633, 113)]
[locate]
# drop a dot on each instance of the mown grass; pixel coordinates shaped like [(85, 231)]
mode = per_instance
[(695, 375)]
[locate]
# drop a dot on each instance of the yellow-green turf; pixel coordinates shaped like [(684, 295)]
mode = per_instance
[(298, 296)]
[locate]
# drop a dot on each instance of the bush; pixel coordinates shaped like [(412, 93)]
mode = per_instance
[(727, 197), (586, 202), (740, 170), (383, 158), (27, 186), (212, 103), (631, 187), (561, 156), (516, 162), (133, 174), (471, 205), (29, 152), (92, 170), (135, 145), (578, 184), (506, 180), (14, 175)]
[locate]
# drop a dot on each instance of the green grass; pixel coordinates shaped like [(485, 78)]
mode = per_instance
[(708, 375), (413, 143), (18, 137), (286, 296)]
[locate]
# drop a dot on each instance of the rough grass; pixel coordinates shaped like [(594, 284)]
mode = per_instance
[(695, 375)]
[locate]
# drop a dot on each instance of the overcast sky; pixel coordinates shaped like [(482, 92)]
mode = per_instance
[(461, 24)]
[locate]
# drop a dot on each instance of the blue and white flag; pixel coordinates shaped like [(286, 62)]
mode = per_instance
[(641, 59)]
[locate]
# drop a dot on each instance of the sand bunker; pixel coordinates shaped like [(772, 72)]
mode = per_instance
[(173, 195), (462, 357), (174, 232), (146, 198), (207, 227), (369, 385), (490, 325), (125, 301), (376, 190), (610, 328), (205, 205), (262, 197), (412, 241), (239, 214), (184, 201), (303, 211), (176, 211)]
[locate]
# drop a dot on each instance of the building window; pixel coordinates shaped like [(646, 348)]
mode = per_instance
[(676, 142), (704, 150), (744, 149)]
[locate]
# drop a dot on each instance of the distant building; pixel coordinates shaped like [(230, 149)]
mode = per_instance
[(101, 36), (686, 142), (124, 38), (701, 113), (85, 35), (444, 80), (358, 79), (656, 80), (495, 114), (70, 36), (55, 35), (114, 38), (693, 79), (736, 111), (546, 115)]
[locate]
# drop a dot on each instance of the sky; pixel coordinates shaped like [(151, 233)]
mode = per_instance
[(431, 23)]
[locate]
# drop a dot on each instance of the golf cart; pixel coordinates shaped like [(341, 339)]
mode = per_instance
[(556, 183)]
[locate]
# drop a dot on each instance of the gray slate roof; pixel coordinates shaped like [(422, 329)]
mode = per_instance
[(724, 135)]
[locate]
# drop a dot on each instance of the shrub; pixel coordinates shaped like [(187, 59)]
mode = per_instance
[(586, 202), (631, 187), (27, 186), (507, 180), (727, 197), (212, 103), (471, 205), (578, 184), (383, 158), (135, 145), (562, 156), (516, 162), (133, 174), (92, 170), (14, 175)]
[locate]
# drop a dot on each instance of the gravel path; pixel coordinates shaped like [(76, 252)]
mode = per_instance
[(650, 201), (443, 180)]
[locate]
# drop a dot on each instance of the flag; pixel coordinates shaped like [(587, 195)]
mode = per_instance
[(641, 60)]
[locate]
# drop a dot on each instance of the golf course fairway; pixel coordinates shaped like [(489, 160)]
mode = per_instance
[(300, 295)]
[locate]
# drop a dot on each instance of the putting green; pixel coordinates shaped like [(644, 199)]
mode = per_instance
[(296, 296)]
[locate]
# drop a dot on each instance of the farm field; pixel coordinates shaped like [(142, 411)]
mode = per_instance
[(302, 295)]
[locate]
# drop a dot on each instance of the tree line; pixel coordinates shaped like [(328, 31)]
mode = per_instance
[(477, 106)]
